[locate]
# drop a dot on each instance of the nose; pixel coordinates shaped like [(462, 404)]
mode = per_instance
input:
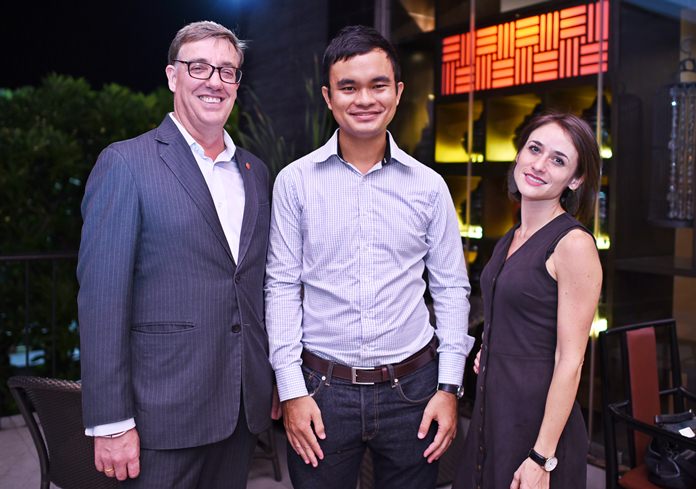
[(539, 162), (215, 81), (364, 97)]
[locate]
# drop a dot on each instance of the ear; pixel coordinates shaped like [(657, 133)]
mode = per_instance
[(399, 90), (575, 183), (171, 77), (326, 93)]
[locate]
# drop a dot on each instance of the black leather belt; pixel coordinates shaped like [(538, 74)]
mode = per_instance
[(373, 375)]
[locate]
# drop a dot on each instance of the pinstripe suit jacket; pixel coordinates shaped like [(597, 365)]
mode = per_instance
[(172, 330)]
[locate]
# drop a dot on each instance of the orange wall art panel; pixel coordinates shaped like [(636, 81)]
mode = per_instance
[(559, 44)]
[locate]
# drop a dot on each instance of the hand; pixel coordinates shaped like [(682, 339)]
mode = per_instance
[(477, 361), (276, 411), (118, 457), (443, 409), (299, 416), (530, 475)]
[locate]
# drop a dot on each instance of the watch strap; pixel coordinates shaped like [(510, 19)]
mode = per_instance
[(537, 457), (452, 389)]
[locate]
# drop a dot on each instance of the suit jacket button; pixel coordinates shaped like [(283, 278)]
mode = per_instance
[(236, 328), (237, 279)]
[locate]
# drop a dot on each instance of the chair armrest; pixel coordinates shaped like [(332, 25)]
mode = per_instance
[(688, 394), (652, 430)]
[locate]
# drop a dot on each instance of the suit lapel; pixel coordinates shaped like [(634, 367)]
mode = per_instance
[(251, 199), (178, 157)]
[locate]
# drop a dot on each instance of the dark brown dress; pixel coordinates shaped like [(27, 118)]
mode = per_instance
[(517, 360)]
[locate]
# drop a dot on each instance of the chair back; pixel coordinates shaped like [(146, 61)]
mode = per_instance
[(641, 352), (640, 368), (66, 455)]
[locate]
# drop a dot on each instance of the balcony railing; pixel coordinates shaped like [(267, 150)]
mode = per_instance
[(38, 317)]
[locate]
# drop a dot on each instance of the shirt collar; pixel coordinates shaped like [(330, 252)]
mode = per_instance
[(391, 153), (226, 155)]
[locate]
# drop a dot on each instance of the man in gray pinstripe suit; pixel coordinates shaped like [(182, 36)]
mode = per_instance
[(175, 373)]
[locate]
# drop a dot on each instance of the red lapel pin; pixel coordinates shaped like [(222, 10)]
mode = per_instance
[(248, 166)]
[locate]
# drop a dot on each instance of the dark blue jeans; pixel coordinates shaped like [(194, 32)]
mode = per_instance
[(384, 417)]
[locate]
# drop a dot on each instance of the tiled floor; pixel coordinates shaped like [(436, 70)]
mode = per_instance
[(19, 464)]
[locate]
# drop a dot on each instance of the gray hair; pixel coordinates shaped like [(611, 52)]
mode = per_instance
[(205, 29)]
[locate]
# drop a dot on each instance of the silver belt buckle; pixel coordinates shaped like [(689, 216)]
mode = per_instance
[(354, 375)]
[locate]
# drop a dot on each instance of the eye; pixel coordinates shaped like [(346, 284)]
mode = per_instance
[(558, 161), (534, 148), (199, 68), (381, 86), (347, 89)]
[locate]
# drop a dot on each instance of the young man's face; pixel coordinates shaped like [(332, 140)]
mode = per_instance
[(363, 95), (202, 105)]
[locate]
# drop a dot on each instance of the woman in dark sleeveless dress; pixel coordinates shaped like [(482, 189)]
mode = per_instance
[(540, 291)]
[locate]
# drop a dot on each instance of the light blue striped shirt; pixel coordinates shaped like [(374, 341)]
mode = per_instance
[(345, 266)]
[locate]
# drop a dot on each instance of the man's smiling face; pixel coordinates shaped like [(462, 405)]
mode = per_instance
[(203, 105)]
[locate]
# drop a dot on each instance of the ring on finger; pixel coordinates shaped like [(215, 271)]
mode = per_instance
[(109, 470)]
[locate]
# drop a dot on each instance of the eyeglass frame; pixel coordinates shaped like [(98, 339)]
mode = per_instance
[(238, 71)]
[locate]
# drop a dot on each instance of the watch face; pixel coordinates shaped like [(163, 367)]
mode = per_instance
[(550, 464)]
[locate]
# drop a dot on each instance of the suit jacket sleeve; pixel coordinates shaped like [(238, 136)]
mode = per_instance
[(106, 265)]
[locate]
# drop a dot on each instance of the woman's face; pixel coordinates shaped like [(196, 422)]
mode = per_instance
[(547, 164)]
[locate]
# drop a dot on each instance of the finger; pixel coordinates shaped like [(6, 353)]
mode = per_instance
[(439, 445), (121, 470), (311, 446), (319, 426), (294, 442), (305, 450), (107, 466), (302, 449), (302, 453), (133, 468), (515, 481), (425, 423), (98, 464)]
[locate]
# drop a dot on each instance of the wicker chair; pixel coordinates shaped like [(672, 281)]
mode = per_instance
[(66, 455)]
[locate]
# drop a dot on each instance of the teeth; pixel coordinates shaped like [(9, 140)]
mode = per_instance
[(211, 100)]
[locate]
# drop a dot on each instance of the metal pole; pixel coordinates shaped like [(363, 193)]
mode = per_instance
[(383, 17), (470, 126), (53, 318), (26, 314), (598, 135)]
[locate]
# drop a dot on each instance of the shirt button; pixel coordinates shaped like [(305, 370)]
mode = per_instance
[(236, 328)]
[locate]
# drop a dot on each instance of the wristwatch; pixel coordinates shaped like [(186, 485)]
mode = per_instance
[(457, 390), (548, 464)]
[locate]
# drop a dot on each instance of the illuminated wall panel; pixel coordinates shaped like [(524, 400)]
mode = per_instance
[(558, 44)]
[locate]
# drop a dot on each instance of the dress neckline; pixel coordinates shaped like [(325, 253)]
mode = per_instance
[(512, 236)]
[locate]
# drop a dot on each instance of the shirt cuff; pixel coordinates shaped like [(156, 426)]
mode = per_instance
[(451, 368), (291, 383), (111, 428)]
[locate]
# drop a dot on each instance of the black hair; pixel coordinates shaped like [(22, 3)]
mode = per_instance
[(354, 40)]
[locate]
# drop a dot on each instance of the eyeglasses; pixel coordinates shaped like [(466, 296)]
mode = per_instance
[(205, 71)]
